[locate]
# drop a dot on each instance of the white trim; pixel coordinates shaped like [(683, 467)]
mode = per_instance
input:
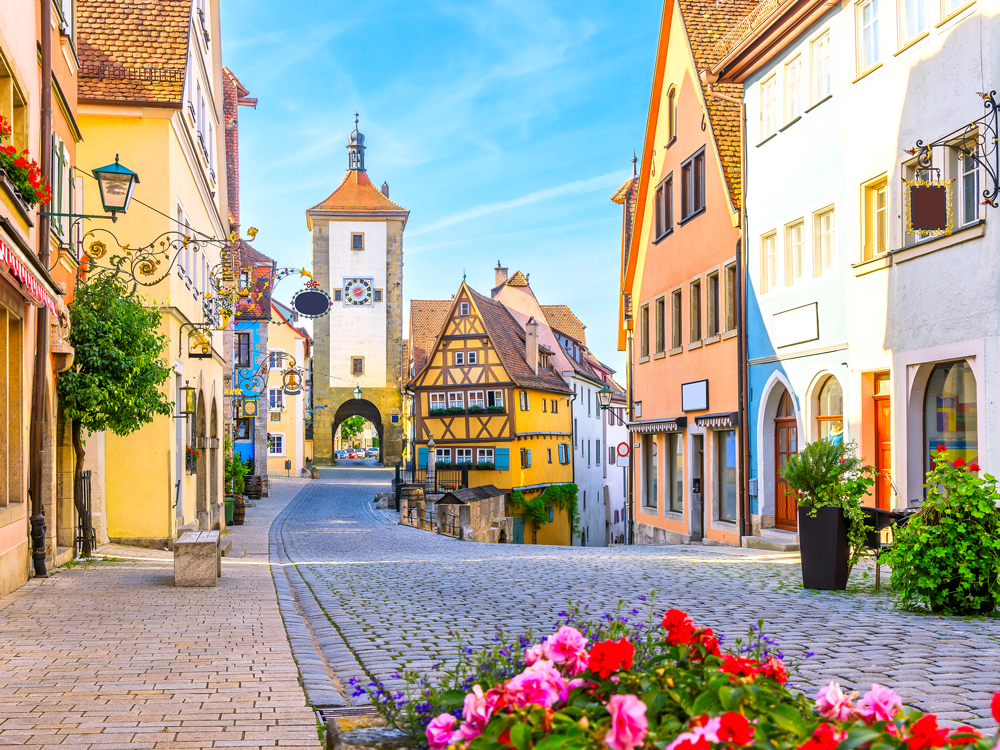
[(270, 435), (765, 454)]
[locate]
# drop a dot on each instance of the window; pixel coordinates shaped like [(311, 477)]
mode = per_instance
[(378, 295), (476, 399), (523, 395), (637, 409), (725, 487), (675, 320), (463, 309), (730, 273), (870, 51), (459, 358), (794, 252), (338, 295), (576, 431), (768, 262), (555, 406), (950, 415), (437, 401), (713, 304), (357, 241), (562, 450), (486, 456), (694, 292), (914, 19), (674, 469), (824, 242), (243, 428), (525, 458), (442, 455), (588, 454), (952, 6), (275, 399), (275, 360), (589, 403), (548, 451), (876, 218), (821, 85), (671, 114), (968, 187), (793, 89), (663, 207), (463, 455), (650, 472), (357, 365), (597, 452), (768, 107), (472, 357), (644, 332), (494, 399), (660, 306), (544, 402), (693, 185), (456, 400), (241, 345), (276, 445), (830, 411)]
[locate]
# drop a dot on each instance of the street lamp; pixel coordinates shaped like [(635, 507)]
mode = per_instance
[(604, 397), (188, 401), (357, 391), (117, 183)]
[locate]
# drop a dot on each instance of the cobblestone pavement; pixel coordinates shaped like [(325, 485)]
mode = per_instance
[(111, 655), (375, 597)]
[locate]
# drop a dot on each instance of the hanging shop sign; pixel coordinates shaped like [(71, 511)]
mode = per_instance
[(311, 302)]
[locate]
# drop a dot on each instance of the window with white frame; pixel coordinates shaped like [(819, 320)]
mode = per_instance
[(476, 399), (914, 19), (768, 107), (869, 43), (524, 400), (768, 262), (485, 456), (442, 455), (821, 83), (275, 399), (793, 88), (456, 400), (824, 241), (597, 452), (967, 174), (276, 360), (437, 401), (463, 309), (494, 398), (794, 252), (275, 444), (463, 455), (472, 357), (459, 358), (950, 7)]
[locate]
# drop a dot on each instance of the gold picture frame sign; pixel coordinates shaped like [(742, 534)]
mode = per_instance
[(928, 207)]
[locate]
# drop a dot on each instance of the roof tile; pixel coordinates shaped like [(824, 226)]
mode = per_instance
[(357, 194)]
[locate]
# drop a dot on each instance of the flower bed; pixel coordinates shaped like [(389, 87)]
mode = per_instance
[(618, 683), (22, 170)]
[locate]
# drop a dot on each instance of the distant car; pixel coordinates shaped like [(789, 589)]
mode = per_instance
[(371, 453), (352, 454), (341, 455)]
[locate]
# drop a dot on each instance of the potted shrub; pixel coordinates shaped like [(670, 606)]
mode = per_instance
[(829, 481), (233, 469), (946, 558)]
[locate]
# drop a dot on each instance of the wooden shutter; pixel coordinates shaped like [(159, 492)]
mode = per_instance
[(421, 458), (502, 459)]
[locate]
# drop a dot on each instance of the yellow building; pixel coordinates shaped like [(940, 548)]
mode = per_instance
[(287, 346), (487, 395), (158, 107)]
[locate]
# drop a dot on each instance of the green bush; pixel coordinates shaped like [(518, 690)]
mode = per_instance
[(831, 474), (946, 558), (560, 495)]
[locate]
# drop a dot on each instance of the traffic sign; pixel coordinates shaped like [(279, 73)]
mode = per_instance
[(623, 449)]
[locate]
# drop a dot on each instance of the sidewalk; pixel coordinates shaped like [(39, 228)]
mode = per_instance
[(111, 655)]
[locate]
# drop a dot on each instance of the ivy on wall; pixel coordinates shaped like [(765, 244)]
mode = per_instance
[(561, 496)]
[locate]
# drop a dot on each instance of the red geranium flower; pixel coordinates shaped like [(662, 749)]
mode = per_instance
[(775, 669), (958, 463), (925, 733), (679, 627), (973, 467), (995, 706), (825, 737), (964, 735), (708, 642), (739, 665), (735, 728), (611, 656), (940, 448)]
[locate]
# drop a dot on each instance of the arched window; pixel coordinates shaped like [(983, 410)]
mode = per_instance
[(950, 413), (830, 415), (672, 113)]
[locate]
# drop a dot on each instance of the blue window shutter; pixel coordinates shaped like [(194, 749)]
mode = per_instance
[(529, 457), (502, 456), (421, 458)]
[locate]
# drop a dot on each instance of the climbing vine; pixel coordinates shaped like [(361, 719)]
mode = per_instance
[(562, 496)]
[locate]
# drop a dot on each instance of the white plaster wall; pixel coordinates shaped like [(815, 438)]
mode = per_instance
[(589, 478), (357, 331)]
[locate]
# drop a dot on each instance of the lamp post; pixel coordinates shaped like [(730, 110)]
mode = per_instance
[(116, 183), (604, 398)]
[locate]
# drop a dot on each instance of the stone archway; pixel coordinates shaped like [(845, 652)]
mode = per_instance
[(359, 407), (200, 445)]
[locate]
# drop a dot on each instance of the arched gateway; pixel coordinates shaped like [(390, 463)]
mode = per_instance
[(358, 364)]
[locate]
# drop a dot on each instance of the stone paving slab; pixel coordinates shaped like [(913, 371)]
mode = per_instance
[(112, 655), (394, 595)]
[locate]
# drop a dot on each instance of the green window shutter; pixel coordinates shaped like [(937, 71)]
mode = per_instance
[(421, 458), (502, 459)]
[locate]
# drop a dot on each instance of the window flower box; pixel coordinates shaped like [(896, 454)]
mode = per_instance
[(496, 409), (476, 410), (486, 466)]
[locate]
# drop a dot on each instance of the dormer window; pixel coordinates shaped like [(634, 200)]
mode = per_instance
[(463, 309)]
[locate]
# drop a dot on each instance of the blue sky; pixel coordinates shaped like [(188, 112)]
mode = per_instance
[(504, 127)]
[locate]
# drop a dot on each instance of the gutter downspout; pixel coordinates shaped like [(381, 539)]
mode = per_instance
[(41, 366), (631, 452)]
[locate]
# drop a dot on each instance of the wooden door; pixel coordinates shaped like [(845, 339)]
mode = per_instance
[(518, 530), (883, 453), (786, 443)]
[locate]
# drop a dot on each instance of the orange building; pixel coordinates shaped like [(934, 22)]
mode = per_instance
[(681, 280)]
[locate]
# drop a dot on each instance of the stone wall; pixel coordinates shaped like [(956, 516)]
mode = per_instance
[(655, 536)]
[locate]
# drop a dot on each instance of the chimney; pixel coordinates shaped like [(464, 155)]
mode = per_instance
[(500, 275), (531, 344), (385, 189)]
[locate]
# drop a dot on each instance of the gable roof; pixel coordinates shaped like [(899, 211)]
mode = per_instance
[(518, 279), (133, 50), (357, 195), (563, 319), (427, 319)]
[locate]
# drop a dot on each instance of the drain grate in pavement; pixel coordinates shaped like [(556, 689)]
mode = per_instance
[(329, 713)]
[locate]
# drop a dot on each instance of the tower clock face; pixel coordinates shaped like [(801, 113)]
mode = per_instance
[(357, 291)]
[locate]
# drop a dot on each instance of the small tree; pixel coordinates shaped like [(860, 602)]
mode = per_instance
[(351, 426), (117, 371)]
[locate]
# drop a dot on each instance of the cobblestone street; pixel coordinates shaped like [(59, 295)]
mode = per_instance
[(394, 593)]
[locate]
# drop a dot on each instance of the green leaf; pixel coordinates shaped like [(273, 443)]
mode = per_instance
[(453, 697), (520, 736), (730, 697), (788, 719), (704, 702), (858, 736)]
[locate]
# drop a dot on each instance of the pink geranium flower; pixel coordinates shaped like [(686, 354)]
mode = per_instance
[(708, 732), (628, 722), (567, 646), (440, 731), (476, 711), (533, 654), (879, 704), (833, 704), (540, 684)]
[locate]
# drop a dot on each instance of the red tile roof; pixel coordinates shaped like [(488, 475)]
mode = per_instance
[(133, 50), (427, 318), (357, 194), (562, 318)]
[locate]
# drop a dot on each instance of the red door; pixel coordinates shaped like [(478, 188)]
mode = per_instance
[(786, 444), (883, 453)]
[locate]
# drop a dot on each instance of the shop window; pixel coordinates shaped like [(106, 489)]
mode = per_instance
[(650, 472), (675, 471), (950, 413), (830, 414), (725, 486)]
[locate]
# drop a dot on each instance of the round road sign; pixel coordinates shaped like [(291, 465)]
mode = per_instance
[(622, 449)]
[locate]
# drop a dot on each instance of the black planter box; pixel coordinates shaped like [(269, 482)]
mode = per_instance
[(824, 550)]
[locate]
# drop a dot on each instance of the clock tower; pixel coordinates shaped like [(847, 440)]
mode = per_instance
[(358, 367)]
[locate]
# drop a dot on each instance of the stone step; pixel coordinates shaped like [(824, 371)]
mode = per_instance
[(774, 540)]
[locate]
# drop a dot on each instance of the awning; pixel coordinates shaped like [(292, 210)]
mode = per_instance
[(20, 271), (732, 419), (658, 425)]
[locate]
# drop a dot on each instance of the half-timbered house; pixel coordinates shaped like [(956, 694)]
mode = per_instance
[(488, 397)]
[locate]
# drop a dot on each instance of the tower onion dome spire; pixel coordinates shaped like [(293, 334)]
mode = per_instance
[(356, 149)]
